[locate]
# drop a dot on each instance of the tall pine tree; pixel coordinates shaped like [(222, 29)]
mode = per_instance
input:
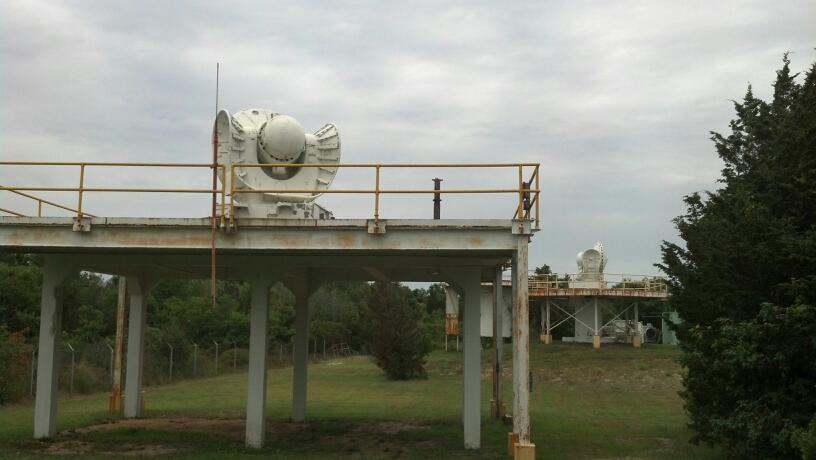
[(744, 283)]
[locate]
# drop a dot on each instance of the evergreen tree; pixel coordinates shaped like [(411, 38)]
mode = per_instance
[(745, 282), (395, 331)]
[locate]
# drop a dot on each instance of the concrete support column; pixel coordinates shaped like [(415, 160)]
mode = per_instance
[(546, 333), (596, 337), (55, 271), (301, 291), (471, 374), (497, 406), (521, 354), (636, 338), (256, 378), (138, 291)]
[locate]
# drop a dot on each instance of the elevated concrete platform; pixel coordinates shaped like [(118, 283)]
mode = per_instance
[(303, 254)]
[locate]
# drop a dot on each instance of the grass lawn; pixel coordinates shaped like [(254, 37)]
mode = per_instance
[(614, 403)]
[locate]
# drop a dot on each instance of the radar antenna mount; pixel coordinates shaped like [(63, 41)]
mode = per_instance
[(262, 136)]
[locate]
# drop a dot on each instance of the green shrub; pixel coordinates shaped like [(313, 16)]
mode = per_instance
[(395, 331)]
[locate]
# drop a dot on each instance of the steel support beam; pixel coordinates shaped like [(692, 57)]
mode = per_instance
[(471, 374), (299, 382), (498, 343), (256, 374), (55, 271), (138, 291), (521, 344)]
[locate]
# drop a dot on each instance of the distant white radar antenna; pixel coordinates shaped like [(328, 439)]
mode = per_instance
[(261, 136), (591, 263)]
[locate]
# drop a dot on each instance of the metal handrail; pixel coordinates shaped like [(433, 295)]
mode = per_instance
[(529, 210), (378, 190), (40, 202), (81, 190), (646, 283)]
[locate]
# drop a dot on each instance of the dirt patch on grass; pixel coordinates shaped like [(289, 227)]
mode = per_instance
[(233, 428), (354, 438), (128, 450)]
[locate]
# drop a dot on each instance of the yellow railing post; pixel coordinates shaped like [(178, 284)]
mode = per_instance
[(520, 211), (232, 196), (377, 195), (81, 189), (223, 193), (538, 198)]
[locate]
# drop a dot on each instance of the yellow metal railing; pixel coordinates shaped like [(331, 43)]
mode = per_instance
[(528, 205), (40, 202), (644, 283), (527, 197), (82, 189)]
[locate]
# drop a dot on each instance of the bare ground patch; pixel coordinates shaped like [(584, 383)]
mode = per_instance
[(353, 438)]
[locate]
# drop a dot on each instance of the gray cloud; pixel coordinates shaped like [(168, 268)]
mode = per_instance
[(615, 100)]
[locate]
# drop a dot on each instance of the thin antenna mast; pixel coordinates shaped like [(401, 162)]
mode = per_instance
[(213, 286)]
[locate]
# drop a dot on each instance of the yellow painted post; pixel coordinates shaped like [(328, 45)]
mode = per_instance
[(377, 195), (538, 199), (512, 440), (81, 188), (232, 196), (520, 211)]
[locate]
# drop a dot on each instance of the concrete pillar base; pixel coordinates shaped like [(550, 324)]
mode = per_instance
[(512, 440), (523, 451), (636, 341), (596, 342), (546, 339)]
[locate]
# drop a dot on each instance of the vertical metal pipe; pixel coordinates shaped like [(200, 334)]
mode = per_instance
[(171, 361), (498, 341), (595, 305), (110, 348), (115, 405), (195, 359), (437, 200), (549, 330), (73, 362), (39, 208), (216, 357), (33, 366), (520, 210), (235, 355), (214, 190), (81, 188), (377, 195), (538, 199)]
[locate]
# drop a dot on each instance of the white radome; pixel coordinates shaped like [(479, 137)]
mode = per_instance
[(262, 136)]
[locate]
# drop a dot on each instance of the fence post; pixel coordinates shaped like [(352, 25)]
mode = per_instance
[(72, 368), (216, 357), (195, 359), (111, 360), (280, 352), (234, 354), (171, 361), (324, 348), (33, 368)]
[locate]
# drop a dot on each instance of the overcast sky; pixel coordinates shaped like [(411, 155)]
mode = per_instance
[(614, 99)]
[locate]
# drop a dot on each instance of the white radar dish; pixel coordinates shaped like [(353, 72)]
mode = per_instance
[(262, 136)]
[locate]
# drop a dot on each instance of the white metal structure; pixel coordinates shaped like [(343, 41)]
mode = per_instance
[(261, 136)]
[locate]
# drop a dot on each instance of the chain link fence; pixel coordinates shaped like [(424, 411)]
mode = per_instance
[(88, 368)]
